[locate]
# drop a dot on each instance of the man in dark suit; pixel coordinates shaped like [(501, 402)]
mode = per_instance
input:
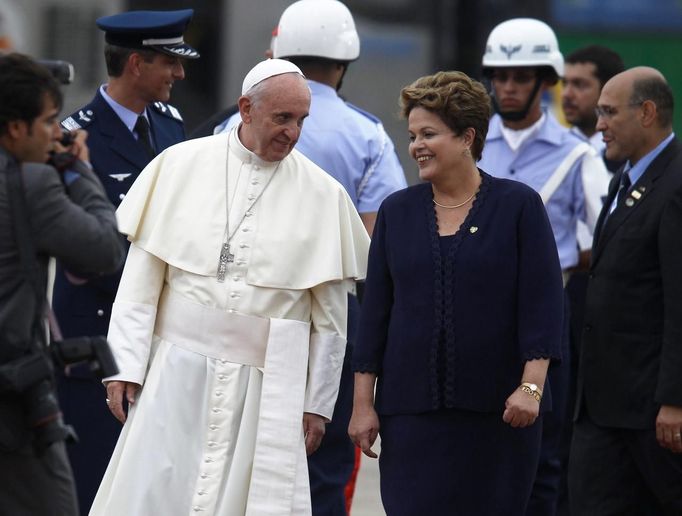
[(128, 123), (626, 452), (43, 213)]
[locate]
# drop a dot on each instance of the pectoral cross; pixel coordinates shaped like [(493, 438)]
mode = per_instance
[(225, 257)]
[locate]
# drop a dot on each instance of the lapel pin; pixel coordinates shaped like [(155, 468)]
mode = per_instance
[(636, 195), (473, 229), (642, 189), (629, 202)]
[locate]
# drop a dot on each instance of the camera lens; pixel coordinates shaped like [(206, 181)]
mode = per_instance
[(67, 138)]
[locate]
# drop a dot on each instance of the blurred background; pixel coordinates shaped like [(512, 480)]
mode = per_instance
[(400, 41)]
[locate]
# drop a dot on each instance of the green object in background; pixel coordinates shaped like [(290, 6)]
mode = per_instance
[(661, 51)]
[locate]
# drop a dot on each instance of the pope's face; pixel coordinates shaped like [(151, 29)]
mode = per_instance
[(274, 117)]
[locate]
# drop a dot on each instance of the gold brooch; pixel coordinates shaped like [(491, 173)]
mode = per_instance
[(473, 229)]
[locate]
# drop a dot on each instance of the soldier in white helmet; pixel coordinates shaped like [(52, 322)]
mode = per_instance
[(319, 36), (526, 143)]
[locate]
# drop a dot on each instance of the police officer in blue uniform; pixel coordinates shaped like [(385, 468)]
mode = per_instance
[(351, 145), (128, 123), (526, 143)]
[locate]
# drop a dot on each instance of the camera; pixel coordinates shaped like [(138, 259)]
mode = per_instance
[(63, 71), (67, 137), (31, 377)]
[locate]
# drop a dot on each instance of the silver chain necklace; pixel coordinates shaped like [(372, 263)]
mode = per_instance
[(225, 255)]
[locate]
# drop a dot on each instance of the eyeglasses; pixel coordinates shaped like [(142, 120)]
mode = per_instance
[(611, 111), (519, 77)]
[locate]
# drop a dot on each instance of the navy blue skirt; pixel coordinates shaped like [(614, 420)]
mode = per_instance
[(456, 462)]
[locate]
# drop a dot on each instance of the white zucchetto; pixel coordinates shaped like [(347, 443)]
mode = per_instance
[(266, 69)]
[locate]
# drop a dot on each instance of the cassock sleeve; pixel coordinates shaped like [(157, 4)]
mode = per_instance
[(133, 314), (327, 346)]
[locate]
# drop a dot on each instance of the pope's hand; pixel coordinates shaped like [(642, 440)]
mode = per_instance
[(313, 430), (115, 393)]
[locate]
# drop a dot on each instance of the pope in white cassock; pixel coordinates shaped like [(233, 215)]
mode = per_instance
[(229, 323)]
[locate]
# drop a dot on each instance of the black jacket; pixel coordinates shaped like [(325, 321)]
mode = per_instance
[(76, 224), (631, 356)]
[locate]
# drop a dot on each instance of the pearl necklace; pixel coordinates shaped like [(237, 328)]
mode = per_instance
[(454, 205)]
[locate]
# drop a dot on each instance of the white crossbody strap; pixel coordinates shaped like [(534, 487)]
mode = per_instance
[(560, 173)]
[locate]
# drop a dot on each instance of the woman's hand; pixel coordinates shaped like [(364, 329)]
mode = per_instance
[(363, 429), (521, 409)]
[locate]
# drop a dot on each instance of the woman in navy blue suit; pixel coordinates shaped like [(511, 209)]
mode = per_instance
[(461, 315)]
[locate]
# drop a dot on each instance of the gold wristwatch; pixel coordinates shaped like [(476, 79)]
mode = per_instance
[(532, 389)]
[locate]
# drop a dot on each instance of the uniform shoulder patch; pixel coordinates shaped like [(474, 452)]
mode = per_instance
[(79, 120), (364, 113), (167, 110)]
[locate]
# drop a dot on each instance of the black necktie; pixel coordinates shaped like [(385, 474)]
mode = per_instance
[(625, 184), (143, 136)]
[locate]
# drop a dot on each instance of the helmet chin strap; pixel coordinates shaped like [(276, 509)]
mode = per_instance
[(515, 116), (345, 69)]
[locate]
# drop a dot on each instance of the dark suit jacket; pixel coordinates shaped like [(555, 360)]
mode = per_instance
[(74, 223), (456, 330), (631, 357), (118, 158)]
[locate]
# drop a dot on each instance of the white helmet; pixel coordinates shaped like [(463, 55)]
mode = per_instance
[(523, 42), (316, 28)]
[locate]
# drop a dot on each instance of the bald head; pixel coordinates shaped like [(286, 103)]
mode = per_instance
[(643, 83), (636, 113)]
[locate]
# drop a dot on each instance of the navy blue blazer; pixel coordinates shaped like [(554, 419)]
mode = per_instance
[(117, 158), (455, 331)]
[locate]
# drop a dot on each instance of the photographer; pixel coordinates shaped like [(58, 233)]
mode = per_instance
[(43, 213)]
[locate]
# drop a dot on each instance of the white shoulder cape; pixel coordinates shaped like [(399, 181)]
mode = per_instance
[(308, 233)]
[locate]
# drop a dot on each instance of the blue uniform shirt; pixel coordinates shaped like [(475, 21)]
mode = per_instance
[(128, 117), (637, 170), (348, 144), (533, 164)]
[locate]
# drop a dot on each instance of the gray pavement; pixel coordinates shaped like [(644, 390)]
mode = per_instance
[(367, 500)]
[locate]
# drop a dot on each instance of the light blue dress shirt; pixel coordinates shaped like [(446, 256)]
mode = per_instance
[(533, 164), (128, 117), (350, 145), (636, 171)]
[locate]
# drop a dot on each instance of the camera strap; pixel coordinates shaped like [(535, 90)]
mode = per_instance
[(22, 230)]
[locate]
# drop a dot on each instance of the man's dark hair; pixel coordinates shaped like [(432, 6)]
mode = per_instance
[(606, 61), (23, 86), (116, 58), (659, 92)]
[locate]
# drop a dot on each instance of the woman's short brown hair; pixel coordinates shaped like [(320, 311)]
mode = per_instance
[(457, 99)]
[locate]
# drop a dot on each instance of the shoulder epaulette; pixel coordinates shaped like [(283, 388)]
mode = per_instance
[(167, 110), (78, 120), (364, 113)]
